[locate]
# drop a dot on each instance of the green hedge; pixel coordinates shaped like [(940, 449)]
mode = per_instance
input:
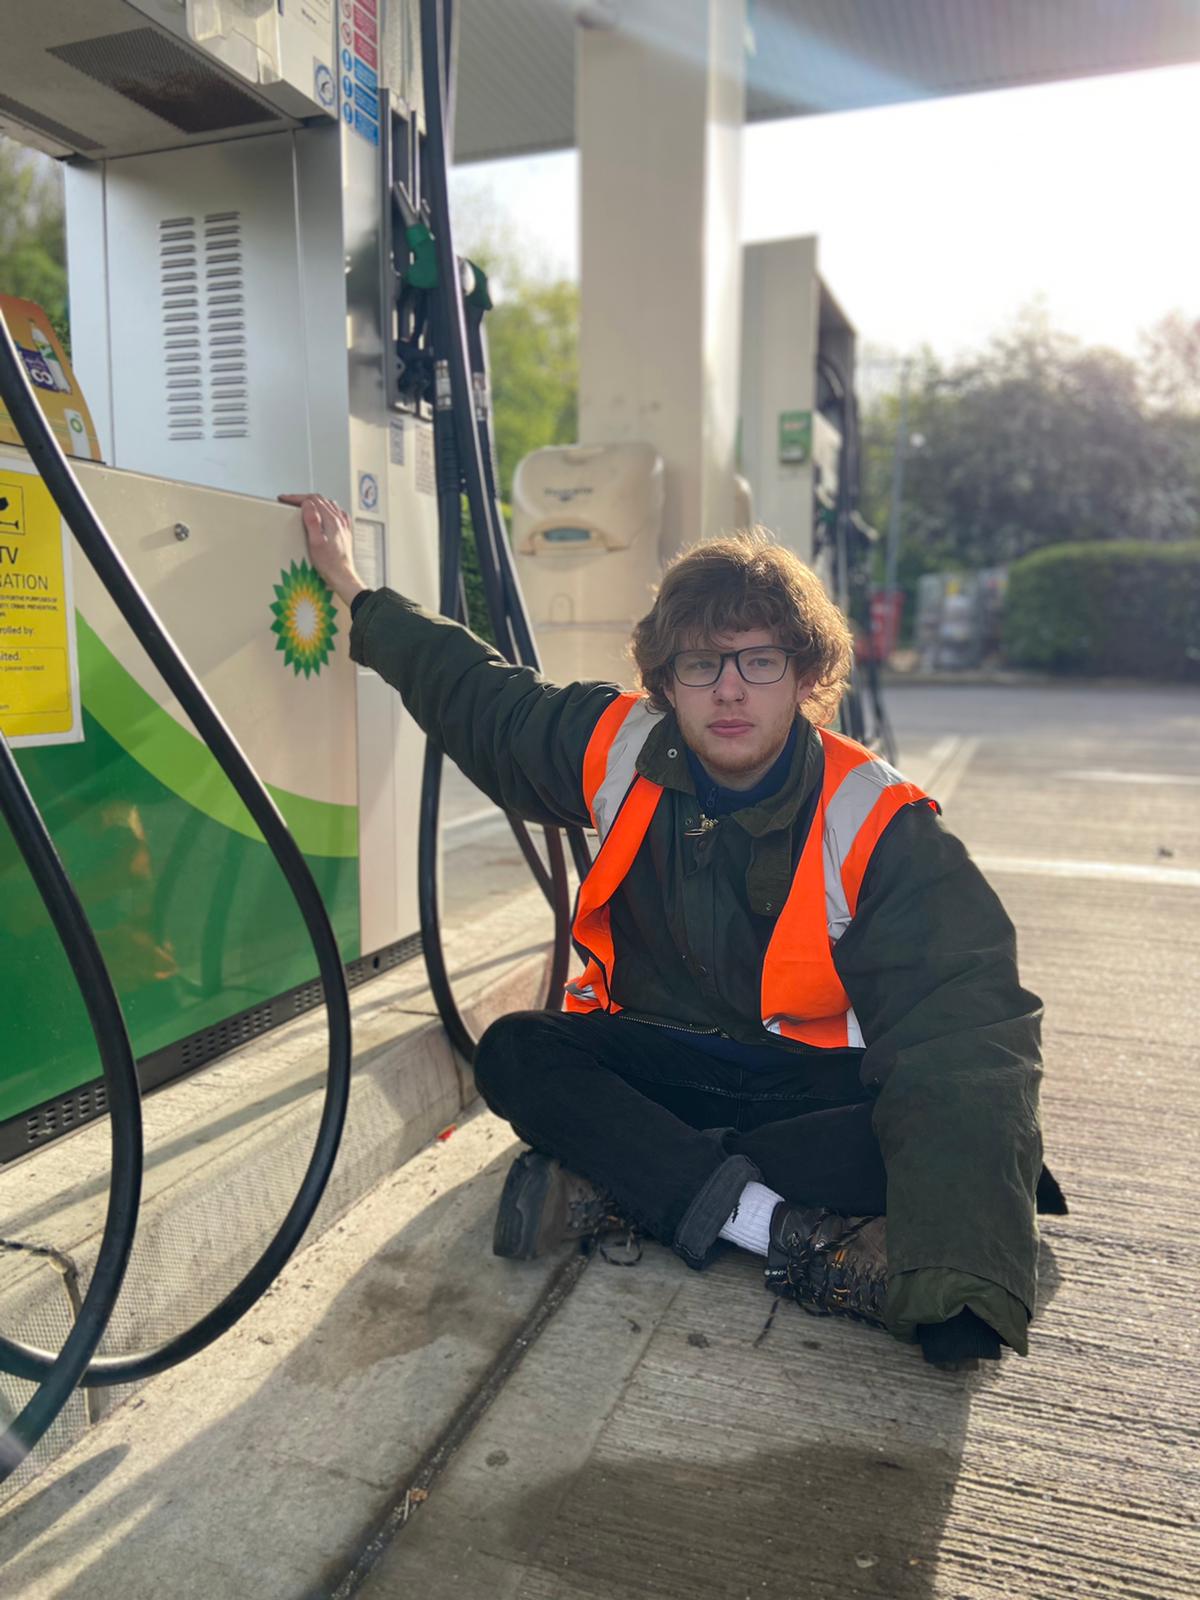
[(1119, 607)]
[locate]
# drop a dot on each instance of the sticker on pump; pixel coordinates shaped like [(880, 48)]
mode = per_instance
[(324, 86), (39, 671), (424, 472)]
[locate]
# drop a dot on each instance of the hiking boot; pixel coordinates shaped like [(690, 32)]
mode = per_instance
[(829, 1264), (543, 1205)]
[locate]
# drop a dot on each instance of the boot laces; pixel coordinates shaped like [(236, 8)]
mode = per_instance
[(826, 1282)]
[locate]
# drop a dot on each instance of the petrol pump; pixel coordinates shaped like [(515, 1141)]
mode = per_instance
[(798, 353), (230, 173)]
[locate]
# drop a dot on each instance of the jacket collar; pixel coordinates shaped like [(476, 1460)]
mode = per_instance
[(663, 759)]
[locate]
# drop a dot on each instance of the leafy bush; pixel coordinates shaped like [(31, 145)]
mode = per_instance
[(1118, 607)]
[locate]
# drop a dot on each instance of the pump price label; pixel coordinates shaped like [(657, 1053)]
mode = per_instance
[(39, 675)]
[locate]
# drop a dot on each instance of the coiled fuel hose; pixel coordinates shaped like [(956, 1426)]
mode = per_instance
[(39, 1366), (125, 1113), (466, 452)]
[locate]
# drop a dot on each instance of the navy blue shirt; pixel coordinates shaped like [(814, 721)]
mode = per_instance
[(718, 801)]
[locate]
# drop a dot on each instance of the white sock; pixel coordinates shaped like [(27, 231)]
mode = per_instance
[(750, 1224)]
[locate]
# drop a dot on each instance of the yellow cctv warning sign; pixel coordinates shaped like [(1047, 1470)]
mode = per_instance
[(39, 678)]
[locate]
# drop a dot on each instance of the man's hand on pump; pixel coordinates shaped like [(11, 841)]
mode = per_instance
[(330, 543)]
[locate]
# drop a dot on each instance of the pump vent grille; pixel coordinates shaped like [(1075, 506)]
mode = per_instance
[(60, 1116), (227, 1035), (164, 78), (225, 294), (179, 273), (202, 273)]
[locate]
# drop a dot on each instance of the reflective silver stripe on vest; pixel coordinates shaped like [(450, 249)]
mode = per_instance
[(854, 1034), (621, 769), (845, 812)]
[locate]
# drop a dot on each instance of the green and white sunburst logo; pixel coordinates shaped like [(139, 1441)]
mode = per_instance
[(304, 619)]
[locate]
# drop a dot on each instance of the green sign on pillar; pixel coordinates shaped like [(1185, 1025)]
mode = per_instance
[(795, 437)]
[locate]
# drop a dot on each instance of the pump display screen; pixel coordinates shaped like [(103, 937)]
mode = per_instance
[(567, 535)]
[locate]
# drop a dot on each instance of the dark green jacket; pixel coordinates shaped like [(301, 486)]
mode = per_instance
[(929, 961)]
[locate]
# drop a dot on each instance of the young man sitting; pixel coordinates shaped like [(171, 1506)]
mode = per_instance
[(800, 1012)]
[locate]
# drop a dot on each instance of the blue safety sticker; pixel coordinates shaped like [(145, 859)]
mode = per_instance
[(324, 86), (358, 32)]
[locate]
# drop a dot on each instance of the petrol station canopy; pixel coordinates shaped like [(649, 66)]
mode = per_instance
[(516, 62)]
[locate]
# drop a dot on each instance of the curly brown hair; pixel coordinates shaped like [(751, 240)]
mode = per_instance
[(730, 586)]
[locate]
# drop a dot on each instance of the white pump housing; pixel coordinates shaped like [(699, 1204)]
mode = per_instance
[(104, 78), (605, 497), (587, 531)]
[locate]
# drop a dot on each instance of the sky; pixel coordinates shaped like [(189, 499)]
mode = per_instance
[(939, 222)]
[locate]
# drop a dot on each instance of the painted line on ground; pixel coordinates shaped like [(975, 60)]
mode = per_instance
[(1111, 775), (462, 831), (472, 819), (922, 767), (1111, 871), (949, 760)]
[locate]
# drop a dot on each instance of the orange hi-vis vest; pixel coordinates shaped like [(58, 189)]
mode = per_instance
[(802, 995)]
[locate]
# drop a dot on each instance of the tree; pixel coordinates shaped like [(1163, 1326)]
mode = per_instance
[(1171, 364), (33, 248), (533, 332), (533, 340), (1036, 441), (534, 345)]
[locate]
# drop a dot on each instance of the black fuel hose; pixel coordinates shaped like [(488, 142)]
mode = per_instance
[(463, 460), (525, 642), (452, 603), (37, 1365), (58, 1375), (125, 1113), (510, 621)]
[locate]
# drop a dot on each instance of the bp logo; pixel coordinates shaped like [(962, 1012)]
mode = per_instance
[(304, 619)]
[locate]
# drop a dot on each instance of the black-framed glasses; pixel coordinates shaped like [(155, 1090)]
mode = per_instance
[(756, 663)]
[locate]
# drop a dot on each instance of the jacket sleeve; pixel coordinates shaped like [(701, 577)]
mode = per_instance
[(953, 1055), (518, 738)]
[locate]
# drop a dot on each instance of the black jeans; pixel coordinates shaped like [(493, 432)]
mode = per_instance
[(672, 1134)]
